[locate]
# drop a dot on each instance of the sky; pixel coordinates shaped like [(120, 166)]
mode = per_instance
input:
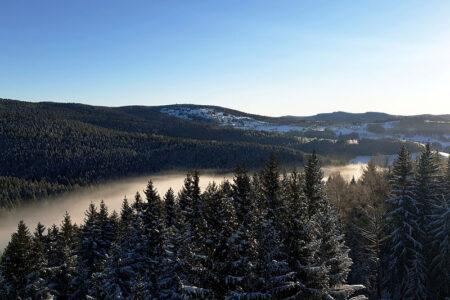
[(266, 57)]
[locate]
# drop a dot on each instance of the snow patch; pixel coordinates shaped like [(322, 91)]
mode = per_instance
[(225, 119)]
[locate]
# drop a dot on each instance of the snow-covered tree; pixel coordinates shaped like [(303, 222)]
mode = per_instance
[(440, 239), (153, 220), (192, 251), (302, 243), (107, 230), (37, 287), (406, 269), (427, 186), (16, 263), (61, 248), (170, 209), (333, 253), (273, 261), (126, 268), (90, 254), (126, 216)]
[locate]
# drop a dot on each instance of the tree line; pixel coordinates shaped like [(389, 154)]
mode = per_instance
[(397, 224), (268, 236), (48, 148), (260, 237)]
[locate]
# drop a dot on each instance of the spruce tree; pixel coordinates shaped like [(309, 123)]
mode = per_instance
[(90, 254), (273, 264), (126, 269), (169, 208), (193, 246), (16, 263), (242, 196), (138, 204), (427, 191), (313, 185), (220, 225), (427, 187), (169, 281), (126, 216), (153, 220), (107, 230), (244, 280), (440, 238), (303, 244), (37, 287), (333, 253), (63, 268), (405, 266)]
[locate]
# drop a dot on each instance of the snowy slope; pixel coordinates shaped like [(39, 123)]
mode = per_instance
[(227, 119)]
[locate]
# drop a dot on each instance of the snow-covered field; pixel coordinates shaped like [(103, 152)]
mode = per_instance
[(224, 119), (247, 123)]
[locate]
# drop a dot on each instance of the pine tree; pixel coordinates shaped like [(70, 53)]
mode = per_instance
[(16, 263), (303, 244), (174, 264), (138, 204), (90, 253), (114, 220), (63, 261), (185, 196), (243, 280), (427, 187), (440, 238), (193, 237), (126, 216), (107, 234), (428, 191), (220, 220), (405, 266), (169, 208), (313, 186), (440, 232), (153, 220), (273, 264), (372, 237), (126, 268), (37, 287), (169, 281), (271, 188), (333, 253), (242, 196)]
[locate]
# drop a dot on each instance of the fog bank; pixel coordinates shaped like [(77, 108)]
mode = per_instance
[(51, 210)]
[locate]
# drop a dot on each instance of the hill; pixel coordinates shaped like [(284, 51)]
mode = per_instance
[(51, 147)]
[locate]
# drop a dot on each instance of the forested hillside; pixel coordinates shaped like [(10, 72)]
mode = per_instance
[(48, 147), (267, 236)]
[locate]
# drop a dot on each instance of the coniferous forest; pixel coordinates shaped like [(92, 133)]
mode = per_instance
[(268, 235), (49, 148)]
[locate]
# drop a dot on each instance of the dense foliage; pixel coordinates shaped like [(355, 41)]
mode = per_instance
[(265, 237), (52, 147), (270, 236), (397, 224)]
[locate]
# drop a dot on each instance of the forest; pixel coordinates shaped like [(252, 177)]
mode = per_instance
[(48, 148), (267, 235)]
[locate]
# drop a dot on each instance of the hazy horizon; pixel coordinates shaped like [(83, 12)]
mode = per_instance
[(244, 111)]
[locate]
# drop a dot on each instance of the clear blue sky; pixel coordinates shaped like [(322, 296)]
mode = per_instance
[(268, 57)]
